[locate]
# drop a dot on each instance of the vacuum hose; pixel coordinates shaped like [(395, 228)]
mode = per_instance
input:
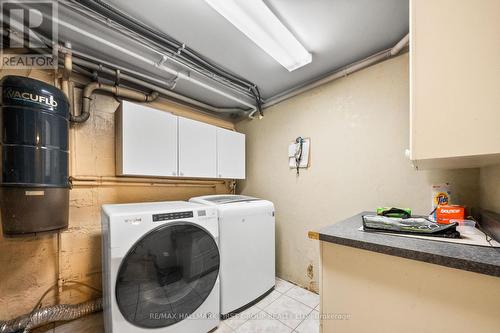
[(49, 314), (115, 90)]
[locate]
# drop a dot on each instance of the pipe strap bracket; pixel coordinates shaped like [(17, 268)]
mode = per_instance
[(117, 77)]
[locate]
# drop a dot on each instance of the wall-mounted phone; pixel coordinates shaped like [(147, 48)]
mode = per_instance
[(298, 153)]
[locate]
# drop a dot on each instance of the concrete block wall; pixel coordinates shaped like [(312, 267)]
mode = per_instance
[(29, 265)]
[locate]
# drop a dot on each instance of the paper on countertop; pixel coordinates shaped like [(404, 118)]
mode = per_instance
[(469, 236)]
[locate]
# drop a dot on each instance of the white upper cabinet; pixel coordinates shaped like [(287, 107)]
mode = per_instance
[(151, 142), (455, 83), (146, 141), (197, 149), (230, 154)]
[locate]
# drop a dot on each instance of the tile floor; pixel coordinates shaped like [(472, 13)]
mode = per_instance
[(288, 308)]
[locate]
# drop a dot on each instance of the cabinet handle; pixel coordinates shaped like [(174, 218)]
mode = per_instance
[(220, 176)]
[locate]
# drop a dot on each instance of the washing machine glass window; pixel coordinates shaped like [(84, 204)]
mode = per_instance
[(167, 275)]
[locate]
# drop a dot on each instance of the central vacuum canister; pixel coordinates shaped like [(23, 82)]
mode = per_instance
[(34, 118)]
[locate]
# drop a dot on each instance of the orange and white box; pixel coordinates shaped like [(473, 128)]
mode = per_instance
[(446, 213)]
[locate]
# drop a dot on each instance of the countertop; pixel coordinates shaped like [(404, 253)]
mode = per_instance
[(479, 259)]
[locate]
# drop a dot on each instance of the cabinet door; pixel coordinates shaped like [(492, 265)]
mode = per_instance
[(455, 82), (230, 154), (197, 149), (146, 141)]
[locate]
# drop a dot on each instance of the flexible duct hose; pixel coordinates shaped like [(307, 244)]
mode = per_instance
[(49, 314)]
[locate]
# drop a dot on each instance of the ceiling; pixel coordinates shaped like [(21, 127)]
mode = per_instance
[(336, 32)]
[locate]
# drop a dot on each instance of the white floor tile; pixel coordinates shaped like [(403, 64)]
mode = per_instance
[(263, 323), (310, 324), (304, 296), (276, 313), (289, 311), (283, 286), (263, 303), (238, 319)]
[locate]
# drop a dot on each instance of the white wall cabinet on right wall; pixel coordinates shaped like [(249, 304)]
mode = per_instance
[(230, 154), (454, 83)]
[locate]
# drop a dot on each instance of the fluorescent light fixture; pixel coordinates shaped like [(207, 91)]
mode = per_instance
[(257, 22)]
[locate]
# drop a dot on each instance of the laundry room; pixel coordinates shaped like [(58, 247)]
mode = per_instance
[(250, 166)]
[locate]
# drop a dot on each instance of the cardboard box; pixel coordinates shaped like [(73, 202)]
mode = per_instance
[(441, 195), (446, 213)]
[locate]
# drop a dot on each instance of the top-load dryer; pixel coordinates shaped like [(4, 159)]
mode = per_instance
[(247, 249)]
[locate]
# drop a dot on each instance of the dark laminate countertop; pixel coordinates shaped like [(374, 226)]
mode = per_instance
[(479, 259)]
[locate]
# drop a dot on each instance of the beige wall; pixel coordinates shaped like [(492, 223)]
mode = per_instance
[(381, 293), (359, 129), (490, 188), (29, 265)]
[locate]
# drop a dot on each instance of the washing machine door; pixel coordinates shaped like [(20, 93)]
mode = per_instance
[(167, 275)]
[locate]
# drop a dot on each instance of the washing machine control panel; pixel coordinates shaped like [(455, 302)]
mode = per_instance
[(172, 216)]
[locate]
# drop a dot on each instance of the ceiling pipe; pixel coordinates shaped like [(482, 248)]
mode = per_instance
[(169, 84), (161, 90), (68, 67), (400, 45), (179, 52), (96, 65), (69, 60), (179, 75), (378, 57), (93, 86), (115, 90)]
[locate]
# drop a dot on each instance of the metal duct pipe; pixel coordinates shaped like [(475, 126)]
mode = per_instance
[(117, 91), (386, 54), (138, 57), (163, 91), (170, 84), (49, 314), (178, 52)]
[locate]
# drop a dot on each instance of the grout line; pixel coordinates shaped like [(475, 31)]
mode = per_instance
[(293, 328), (300, 302), (296, 285), (251, 317), (281, 294)]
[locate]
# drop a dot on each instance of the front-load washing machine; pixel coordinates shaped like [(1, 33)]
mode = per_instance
[(161, 267), (246, 244)]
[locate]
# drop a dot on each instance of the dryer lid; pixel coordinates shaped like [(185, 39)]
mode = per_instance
[(225, 199)]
